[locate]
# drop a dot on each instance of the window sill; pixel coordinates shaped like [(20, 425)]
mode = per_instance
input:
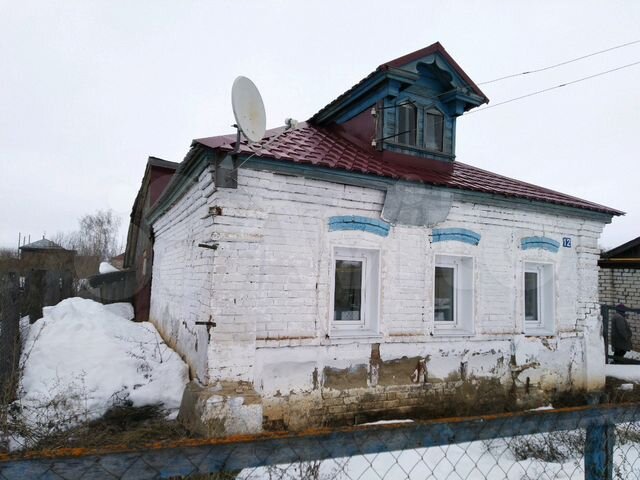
[(539, 332), (345, 336), (446, 331), (420, 151)]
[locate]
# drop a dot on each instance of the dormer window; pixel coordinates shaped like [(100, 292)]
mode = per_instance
[(433, 130), (420, 127), (407, 124), (408, 106)]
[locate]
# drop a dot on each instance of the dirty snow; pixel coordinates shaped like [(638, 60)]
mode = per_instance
[(106, 267), (628, 373), (386, 422), (94, 354), (544, 407)]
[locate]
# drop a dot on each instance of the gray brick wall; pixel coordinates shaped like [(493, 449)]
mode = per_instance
[(622, 285)]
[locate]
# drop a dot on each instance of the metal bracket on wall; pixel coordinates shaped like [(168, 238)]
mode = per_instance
[(208, 324), (212, 246)]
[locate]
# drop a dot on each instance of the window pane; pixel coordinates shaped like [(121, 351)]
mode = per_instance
[(434, 129), (531, 296), (406, 129), (444, 292), (348, 293)]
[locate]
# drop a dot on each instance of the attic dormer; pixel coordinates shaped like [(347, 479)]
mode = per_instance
[(408, 105)]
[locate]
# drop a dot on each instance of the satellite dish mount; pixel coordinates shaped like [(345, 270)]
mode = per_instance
[(248, 110)]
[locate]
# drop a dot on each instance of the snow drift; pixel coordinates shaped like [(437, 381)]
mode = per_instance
[(93, 353)]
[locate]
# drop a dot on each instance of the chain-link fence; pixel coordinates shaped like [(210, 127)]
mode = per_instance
[(574, 443)]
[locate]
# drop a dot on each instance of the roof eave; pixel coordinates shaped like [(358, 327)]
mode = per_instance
[(330, 110), (621, 248)]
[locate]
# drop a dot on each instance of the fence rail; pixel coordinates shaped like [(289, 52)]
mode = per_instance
[(608, 437)]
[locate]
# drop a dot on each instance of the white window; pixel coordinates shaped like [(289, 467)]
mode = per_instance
[(453, 295), (355, 290), (144, 263), (406, 125), (538, 299)]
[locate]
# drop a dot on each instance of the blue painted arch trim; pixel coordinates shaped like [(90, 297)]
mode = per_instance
[(544, 243), (457, 234), (354, 222)]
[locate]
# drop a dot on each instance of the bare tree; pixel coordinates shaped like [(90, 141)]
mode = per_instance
[(97, 235), (8, 252)]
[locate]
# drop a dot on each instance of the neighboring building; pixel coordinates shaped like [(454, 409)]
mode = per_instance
[(139, 252), (620, 281), (353, 268), (46, 275), (46, 255)]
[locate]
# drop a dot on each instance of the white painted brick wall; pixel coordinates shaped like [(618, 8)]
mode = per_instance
[(182, 276), (267, 286)]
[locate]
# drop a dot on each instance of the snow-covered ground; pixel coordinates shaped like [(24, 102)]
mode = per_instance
[(479, 460), (83, 357), (629, 373)]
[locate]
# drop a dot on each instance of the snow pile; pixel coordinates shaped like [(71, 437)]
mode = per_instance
[(87, 356), (106, 267), (124, 310)]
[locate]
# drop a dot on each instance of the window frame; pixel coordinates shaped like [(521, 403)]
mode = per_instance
[(544, 325), (405, 104), (456, 277), (432, 110), (363, 291), (370, 291), (538, 320), (463, 293)]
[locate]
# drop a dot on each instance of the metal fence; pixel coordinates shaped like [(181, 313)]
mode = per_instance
[(25, 293), (601, 442)]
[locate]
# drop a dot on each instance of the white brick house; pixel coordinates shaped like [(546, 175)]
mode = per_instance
[(352, 268)]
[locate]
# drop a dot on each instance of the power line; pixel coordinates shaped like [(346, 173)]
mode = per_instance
[(553, 88), (559, 64)]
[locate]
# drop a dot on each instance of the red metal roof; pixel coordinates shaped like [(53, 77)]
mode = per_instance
[(323, 147)]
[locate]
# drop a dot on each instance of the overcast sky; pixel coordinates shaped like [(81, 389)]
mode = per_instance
[(88, 90)]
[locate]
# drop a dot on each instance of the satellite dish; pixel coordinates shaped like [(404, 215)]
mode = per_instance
[(248, 109)]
